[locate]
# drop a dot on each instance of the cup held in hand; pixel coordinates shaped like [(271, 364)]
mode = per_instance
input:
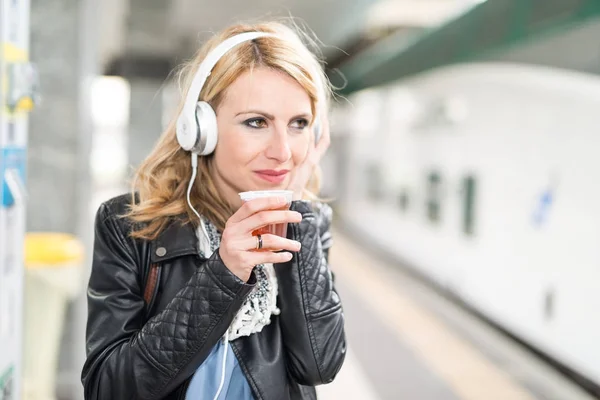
[(274, 229)]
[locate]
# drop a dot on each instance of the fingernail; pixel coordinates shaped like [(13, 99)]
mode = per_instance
[(298, 245), (288, 256)]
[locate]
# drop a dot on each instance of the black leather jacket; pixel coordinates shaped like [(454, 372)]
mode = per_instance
[(135, 351)]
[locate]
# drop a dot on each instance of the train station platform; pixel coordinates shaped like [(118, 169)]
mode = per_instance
[(407, 341)]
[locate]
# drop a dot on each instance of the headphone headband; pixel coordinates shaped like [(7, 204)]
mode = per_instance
[(206, 67)]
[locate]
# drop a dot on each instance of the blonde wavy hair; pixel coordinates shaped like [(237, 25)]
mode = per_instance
[(160, 183)]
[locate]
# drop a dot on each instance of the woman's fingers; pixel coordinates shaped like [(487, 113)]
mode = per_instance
[(264, 218), (255, 205), (272, 243), (267, 257)]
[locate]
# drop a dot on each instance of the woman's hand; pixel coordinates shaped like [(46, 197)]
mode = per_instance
[(302, 173), (238, 246)]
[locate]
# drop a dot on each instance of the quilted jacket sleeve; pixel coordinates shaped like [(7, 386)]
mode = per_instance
[(312, 319), (130, 359)]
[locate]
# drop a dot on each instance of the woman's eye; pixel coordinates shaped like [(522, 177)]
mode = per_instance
[(256, 123), (300, 123)]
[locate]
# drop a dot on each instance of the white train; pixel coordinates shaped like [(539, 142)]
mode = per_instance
[(486, 178)]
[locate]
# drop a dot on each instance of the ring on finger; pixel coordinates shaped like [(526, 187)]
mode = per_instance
[(259, 242)]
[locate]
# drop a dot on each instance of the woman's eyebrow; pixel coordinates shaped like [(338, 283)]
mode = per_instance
[(271, 117), (266, 115)]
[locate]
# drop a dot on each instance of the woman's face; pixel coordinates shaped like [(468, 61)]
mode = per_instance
[(263, 123)]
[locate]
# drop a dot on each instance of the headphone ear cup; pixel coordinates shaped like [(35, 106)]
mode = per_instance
[(187, 131), (317, 128), (206, 119)]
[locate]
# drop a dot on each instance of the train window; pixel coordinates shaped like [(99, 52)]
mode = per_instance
[(403, 199), (434, 196), (374, 182), (469, 186)]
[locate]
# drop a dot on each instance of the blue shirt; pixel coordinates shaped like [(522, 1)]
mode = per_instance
[(206, 379)]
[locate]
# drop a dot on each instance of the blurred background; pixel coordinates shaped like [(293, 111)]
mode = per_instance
[(462, 167)]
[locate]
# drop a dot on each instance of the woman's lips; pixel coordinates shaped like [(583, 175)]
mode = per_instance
[(271, 175)]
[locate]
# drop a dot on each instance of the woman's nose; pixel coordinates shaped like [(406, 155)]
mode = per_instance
[(279, 146)]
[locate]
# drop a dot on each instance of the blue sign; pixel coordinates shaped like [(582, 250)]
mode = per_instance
[(542, 209), (14, 158)]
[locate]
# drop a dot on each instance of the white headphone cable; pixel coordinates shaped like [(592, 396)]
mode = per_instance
[(226, 339), (226, 344), (189, 191)]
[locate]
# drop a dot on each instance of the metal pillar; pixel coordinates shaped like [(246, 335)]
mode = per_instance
[(18, 87)]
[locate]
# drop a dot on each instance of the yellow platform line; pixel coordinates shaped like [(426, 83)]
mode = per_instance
[(461, 366)]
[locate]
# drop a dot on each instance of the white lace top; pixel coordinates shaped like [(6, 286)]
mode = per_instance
[(260, 304)]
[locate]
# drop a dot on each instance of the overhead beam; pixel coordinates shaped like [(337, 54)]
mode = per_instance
[(145, 66), (488, 27)]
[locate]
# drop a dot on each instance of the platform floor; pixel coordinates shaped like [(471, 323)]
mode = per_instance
[(406, 341)]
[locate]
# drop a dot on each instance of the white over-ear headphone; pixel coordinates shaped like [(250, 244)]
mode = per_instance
[(197, 124)]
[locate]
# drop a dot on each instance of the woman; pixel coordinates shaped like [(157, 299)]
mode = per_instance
[(181, 305)]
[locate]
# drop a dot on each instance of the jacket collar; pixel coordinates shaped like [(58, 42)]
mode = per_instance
[(174, 241)]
